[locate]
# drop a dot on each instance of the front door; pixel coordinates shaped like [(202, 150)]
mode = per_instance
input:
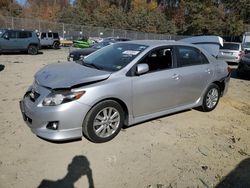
[(156, 90)]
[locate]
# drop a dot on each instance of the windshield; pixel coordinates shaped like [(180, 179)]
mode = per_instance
[(230, 46), (2, 31), (114, 57), (246, 45)]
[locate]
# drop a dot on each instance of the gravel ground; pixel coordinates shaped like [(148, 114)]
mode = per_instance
[(187, 149)]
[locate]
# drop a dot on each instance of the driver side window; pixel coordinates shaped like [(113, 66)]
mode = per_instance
[(159, 59)]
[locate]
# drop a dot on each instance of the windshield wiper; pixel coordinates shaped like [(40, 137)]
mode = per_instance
[(91, 65)]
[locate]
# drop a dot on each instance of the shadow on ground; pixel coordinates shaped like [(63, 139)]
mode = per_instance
[(19, 53), (239, 177), (234, 73), (1, 67), (79, 167)]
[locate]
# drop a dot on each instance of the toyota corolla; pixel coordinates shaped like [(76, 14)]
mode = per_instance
[(121, 85)]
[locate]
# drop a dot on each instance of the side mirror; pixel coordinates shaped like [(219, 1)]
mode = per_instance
[(141, 69), (6, 37)]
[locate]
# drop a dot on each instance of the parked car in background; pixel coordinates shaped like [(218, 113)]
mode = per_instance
[(244, 66), (246, 47), (66, 41), (78, 54), (84, 42), (246, 42), (19, 41), (231, 52), (120, 85), (50, 39)]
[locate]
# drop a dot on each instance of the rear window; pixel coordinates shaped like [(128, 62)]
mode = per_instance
[(56, 36), (24, 34), (43, 35), (50, 35), (246, 45), (230, 46)]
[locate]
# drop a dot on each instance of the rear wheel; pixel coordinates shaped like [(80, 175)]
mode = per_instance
[(211, 98), (56, 45), (103, 122), (32, 49)]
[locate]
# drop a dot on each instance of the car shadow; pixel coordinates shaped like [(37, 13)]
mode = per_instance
[(239, 177), (1, 67), (19, 53), (80, 166)]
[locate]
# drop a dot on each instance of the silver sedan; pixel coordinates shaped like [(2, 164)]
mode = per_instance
[(121, 85)]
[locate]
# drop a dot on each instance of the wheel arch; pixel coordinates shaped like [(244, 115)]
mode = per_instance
[(119, 101), (33, 44), (221, 85)]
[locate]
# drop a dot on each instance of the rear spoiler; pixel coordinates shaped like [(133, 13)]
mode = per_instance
[(211, 44)]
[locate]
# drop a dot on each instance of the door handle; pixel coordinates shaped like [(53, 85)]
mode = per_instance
[(176, 76), (208, 71)]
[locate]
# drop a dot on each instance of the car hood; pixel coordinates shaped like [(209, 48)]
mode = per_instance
[(67, 75)]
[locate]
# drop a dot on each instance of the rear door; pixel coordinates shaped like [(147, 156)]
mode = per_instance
[(23, 39), (44, 39), (194, 73)]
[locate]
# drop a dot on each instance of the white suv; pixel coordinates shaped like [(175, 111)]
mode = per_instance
[(49, 39)]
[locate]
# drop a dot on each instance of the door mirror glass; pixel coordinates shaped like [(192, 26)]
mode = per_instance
[(141, 69), (6, 37)]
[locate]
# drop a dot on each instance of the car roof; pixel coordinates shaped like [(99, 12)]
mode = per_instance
[(155, 43), (231, 43), (17, 30)]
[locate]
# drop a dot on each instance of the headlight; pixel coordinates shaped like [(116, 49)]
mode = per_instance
[(82, 57), (59, 97)]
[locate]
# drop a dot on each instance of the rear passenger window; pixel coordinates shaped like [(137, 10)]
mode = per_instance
[(188, 56), (55, 35), (50, 35), (23, 34), (43, 35)]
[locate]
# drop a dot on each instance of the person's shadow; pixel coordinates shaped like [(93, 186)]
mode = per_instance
[(237, 178), (1, 67), (79, 167)]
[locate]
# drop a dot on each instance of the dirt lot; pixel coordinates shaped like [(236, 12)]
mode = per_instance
[(188, 149)]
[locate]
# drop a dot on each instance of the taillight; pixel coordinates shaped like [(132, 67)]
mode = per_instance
[(241, 53)]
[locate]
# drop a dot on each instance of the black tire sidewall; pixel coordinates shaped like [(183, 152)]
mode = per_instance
[(88, 129), (204, 104), (32, 52), (56, 45)]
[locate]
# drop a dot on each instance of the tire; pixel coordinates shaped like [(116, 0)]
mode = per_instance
[(32, 49), (56, 45), (103, 122), (211, 98)]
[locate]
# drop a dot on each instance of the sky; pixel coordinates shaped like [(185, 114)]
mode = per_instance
[(21, 2)]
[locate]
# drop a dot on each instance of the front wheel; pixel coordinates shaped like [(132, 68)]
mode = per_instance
[(103, 122), (211, 98)]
